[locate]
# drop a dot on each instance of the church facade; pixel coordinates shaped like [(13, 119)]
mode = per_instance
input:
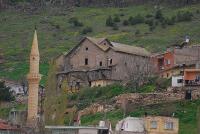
[(100, 62)]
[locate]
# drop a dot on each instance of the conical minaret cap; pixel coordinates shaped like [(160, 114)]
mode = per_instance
[(34, 49)]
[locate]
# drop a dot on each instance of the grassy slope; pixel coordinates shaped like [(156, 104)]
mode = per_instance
[(17, 31), (186, 111)]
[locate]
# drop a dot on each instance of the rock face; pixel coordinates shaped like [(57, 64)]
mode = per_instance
[(153, 98)]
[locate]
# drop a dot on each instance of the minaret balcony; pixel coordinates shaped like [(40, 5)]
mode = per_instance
[(34, 76)]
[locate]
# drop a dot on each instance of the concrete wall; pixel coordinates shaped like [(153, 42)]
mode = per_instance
[(175, 81)]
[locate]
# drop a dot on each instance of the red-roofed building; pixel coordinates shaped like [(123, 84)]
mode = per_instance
[(6, 128)]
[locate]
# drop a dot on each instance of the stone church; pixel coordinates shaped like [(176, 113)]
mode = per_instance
[(100, 62)]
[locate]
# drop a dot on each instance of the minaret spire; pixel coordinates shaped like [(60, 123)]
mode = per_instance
[(34, 49), (33, 81)]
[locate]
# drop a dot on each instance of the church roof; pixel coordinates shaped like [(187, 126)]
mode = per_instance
[(118, 47)]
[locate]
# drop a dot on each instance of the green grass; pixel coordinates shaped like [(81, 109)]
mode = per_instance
[(16, 33), (186, 111)]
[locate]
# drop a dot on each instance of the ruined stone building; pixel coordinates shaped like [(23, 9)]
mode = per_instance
[(99, 62)]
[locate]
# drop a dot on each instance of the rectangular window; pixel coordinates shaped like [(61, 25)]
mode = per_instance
[(100, 63), (167, 62), (169, 125), (86, 61), (153, 124), (110, 61), (179, 80)]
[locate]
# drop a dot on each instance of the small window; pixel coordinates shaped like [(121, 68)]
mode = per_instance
[(169, 125), (86, 48), (100, 63), (153, 124), (86, 61), (110, 61), (104, 43), (179, 80), (167, 62), (125, 64)]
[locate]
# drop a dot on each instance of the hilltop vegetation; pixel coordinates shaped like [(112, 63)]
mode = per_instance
[(59, 29)]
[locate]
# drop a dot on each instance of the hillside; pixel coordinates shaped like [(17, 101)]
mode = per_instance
[(57, 35)]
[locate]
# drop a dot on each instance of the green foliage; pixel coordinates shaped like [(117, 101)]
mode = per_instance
[(148, 88), (5, 93), (136, 20), (159, 14), (125, 22), (75, 22), (150, 22), (88, 95), (116, 18), (184, 16), (115, 27), (87, 30), (186, 111), (109, 21), (137, 32), (53, 40)]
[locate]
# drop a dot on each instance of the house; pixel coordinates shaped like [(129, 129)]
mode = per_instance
[(16, 87), (99, 62), (148, 125), (161, 125), (177, 81), (176, 59), (6, 128), (130, 125), (192, 77)]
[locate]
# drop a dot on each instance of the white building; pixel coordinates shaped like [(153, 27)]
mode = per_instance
[(130, 125), (177, 81)]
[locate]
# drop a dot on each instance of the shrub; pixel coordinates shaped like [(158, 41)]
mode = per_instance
[(86, 30), (150, 22), (149, 16), (5, 93), (121, 14), (137, 32), (125, 22), (75, 22), (170, 21), (184, 16), (136, 20), (116, 18), (115, 27), (109, 21), (159, 14), (151, 28)]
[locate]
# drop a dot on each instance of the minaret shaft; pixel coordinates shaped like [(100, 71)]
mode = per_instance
[(33, 81)]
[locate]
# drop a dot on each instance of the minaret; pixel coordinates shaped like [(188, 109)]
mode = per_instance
[(33, 81)]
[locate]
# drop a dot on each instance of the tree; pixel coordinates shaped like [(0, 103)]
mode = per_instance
[(109, 21), (87, 30), (159, 14), (75, 22), (5, 92), (125, 22), (136, 20), (116, 18)]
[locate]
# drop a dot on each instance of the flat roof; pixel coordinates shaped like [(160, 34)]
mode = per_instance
[(74, 127)]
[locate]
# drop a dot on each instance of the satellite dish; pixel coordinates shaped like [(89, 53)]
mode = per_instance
[(187, 39)]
